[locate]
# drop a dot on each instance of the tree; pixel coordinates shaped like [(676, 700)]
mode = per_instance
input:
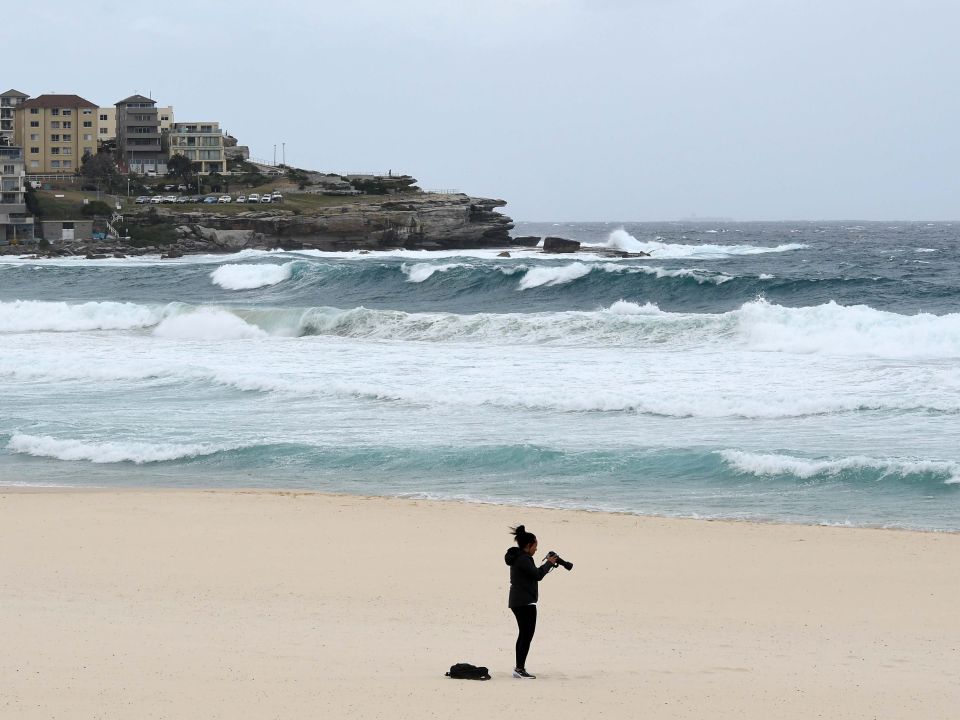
[(99, 167), (180, 166)]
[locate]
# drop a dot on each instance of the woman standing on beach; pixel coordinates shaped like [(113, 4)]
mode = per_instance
[(524, 576)]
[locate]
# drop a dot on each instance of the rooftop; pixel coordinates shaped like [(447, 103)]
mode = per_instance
[(57, 101), (14, 93)]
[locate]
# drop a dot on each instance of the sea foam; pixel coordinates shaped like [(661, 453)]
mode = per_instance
[(622, 240), (766, 464), (207, 324), (34, 316), (107, 452), (249, 277)]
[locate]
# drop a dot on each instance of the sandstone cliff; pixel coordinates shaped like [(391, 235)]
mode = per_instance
[(415, 221)]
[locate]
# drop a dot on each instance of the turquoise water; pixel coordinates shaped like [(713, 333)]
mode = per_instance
[(784, 372)]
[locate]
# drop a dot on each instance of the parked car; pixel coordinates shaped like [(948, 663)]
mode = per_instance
[(170, 198), (266, 198), (156, 200), (182, 199), (253, 198), (277, 197), (182, 188), (142, 200), (241, 198), (210, 200), (223, 199)]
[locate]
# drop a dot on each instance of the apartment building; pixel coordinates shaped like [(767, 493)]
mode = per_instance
[(139, 147), (200, 142), (16, 225), (108, 121), (55, 132), (8, 104)]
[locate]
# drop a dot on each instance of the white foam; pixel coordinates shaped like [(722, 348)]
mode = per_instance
[(553, 275), (248, 277), (772, 464), (622, 240), (856, 330), (107, 452), (207, 324), (34, 316), (422, 271)]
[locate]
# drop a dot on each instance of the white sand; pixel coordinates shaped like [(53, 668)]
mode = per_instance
[(168, 604)]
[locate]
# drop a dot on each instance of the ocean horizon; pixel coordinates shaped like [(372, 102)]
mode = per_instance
[(796, 372)]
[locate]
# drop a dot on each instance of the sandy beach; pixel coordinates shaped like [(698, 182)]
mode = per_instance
[(194, 604)]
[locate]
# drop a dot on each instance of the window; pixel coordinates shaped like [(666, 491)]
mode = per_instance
[(87, 137), (54, 163), (8, 169), (54, 151), (34, 111), (103, 117), (103, 131), (34, 136), (55, 111), (55, 124), (68, 112), (34, 151), (86, 111), (55, 138), (34, 163), (68, 138), (165, 118), (68, 124), (67, 163), (88, 123), (67, 151), (88, 151), (34, 123)]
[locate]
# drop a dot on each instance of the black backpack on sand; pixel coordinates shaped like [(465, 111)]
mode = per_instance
[(466, 671)]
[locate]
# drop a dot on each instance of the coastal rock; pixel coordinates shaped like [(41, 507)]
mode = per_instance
[(416, 221), (530, 241), (503, 254), (560, 245)]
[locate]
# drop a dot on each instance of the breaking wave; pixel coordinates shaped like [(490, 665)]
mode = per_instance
[(249, 277), (107, 452)]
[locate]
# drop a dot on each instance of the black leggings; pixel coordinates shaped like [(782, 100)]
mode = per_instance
[(527, 623)]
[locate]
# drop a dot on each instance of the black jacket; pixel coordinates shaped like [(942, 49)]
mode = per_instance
[(524, 576)]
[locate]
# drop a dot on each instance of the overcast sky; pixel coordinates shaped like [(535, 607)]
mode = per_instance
[(569, 109)]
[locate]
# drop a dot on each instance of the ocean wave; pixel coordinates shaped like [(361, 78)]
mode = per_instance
[(763, 465), (622, 240), (108, 452), (36, 316), (419, 272), (207, 324), (249, 277), (540, 276), (848, 330)]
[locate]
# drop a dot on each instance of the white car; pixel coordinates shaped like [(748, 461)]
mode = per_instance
[(266, 198), (253, 198), (241, 198), (156, 199), (224, 199), (277, 197)]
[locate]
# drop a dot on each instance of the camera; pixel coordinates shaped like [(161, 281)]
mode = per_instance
[(560, 560)]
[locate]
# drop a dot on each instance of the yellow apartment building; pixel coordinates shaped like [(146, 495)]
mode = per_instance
[(55, 131)]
